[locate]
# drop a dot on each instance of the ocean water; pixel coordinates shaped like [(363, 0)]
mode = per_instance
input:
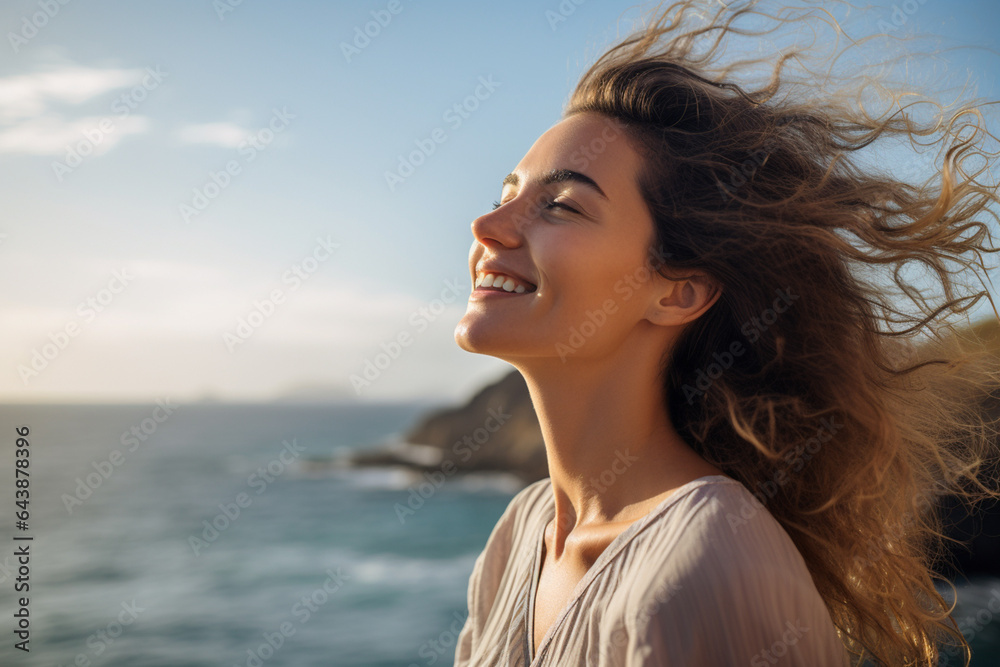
[(222, 536), (378, 591)]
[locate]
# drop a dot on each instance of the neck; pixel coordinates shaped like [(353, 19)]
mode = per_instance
[(612, 450)]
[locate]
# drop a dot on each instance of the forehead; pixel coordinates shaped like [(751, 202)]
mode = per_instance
[(592, 144)]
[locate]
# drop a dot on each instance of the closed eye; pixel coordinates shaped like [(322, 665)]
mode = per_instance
[(548, 205)]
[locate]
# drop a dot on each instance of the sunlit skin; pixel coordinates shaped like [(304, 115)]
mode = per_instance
[(604, 398)]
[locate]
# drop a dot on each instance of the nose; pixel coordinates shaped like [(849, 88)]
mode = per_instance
[(500, 226)]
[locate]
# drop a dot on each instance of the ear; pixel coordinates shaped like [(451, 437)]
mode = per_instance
[(677, 301)]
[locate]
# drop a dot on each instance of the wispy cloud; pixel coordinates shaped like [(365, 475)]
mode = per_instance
[(50, 134), (41, 114), (228, 135), (27, 95)]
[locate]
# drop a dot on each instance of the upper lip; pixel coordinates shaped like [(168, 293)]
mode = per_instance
[(486, 268)]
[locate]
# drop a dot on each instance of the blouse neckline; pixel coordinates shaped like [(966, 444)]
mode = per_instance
[(606, 556)]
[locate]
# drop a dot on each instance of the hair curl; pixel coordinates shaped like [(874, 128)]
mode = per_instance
[(766, 188)]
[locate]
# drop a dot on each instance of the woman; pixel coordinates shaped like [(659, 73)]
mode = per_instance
[(743, 446)]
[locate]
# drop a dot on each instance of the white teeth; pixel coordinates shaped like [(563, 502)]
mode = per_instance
[(500, 281)]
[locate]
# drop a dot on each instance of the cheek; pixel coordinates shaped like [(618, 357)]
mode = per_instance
[(574, 269), (585, 271), (592, 282)]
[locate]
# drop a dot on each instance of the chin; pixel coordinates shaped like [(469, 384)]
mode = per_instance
[(473, 339), (479, 340)]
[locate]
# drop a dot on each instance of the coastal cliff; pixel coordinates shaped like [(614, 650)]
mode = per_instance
[(496, 430)]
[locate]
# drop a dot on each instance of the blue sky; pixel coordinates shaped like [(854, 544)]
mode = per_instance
[(236, 155)]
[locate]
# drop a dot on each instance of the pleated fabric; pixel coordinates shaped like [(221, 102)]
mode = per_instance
[(708, 578)]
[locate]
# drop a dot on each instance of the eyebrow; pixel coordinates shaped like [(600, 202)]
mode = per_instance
[(558, 176)]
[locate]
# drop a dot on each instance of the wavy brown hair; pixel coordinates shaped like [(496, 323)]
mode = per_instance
[(849, 431)]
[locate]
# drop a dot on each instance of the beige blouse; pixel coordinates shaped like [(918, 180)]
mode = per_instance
[(708, 578)]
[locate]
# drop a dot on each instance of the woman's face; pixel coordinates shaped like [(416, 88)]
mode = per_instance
[(573, 230)]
